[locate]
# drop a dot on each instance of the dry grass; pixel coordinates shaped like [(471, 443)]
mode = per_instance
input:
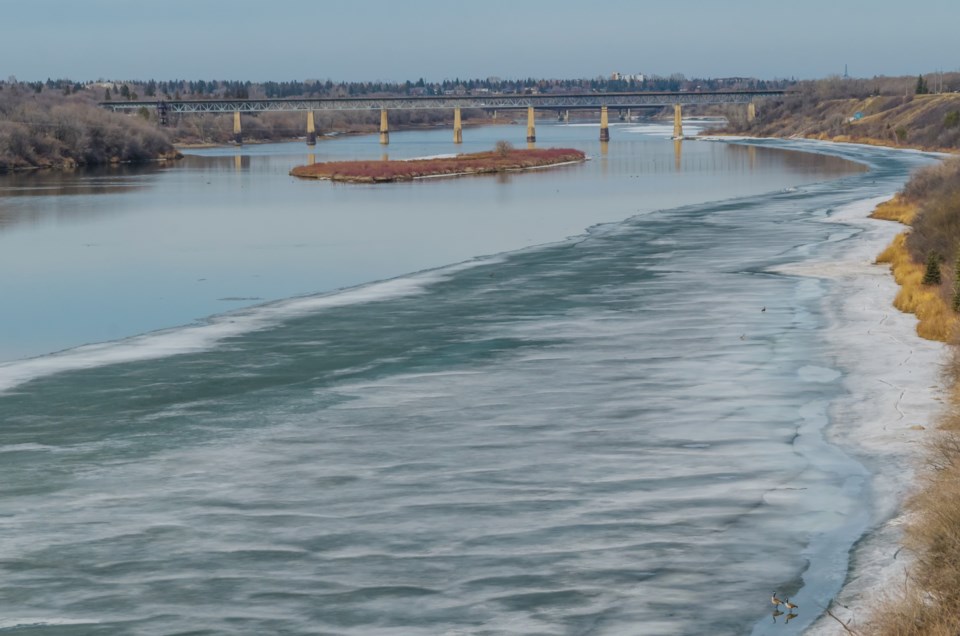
[(936, 320), (896, 209), (928, 603), (930, 204)]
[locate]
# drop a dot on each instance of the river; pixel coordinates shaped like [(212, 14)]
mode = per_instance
[(579, 400)]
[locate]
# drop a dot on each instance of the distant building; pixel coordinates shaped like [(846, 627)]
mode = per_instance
[(621, 77), (736, 80)]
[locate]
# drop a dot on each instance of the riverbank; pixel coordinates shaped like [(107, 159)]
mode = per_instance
[(885, 418), (925, 601), (501, 160), (905, 575)]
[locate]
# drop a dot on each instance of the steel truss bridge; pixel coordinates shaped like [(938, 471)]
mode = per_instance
[(571, 101)]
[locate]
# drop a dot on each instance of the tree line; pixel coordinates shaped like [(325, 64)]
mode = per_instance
[(233, 89)]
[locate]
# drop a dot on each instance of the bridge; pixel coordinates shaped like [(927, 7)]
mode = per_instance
[(563, 103)]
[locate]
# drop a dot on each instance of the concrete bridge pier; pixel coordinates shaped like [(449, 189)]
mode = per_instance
[(311, 130), (457, 126), (237, 131), (751, 112), (566, 116), (384, 127), (531, 125), (677, 122), (604, 124)]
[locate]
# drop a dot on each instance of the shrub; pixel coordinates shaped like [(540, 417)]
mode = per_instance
[(53, 129), (931, 275)]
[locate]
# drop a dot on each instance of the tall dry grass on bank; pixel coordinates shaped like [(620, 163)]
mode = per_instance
[(930, 204), (896, 209), (935, 319), (928, 602)]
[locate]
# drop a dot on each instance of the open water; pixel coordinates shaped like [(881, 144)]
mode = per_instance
[(576, 401)]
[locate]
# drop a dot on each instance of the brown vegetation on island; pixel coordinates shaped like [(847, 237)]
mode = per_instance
[(53, 130), (502, 159), (925, 261), (892, 111)]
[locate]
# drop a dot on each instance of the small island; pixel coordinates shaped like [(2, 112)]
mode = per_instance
[(503, 158)]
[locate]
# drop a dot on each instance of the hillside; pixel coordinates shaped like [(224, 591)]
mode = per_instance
[(855, 112)]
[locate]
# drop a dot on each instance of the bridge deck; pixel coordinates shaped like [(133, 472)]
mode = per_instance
[(572, 101)]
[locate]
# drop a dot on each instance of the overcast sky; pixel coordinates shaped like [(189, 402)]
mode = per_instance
[(445, 39)]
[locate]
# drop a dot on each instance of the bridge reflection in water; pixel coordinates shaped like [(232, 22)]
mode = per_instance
[(561, 104)]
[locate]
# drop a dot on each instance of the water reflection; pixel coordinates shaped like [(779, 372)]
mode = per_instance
[(753, 158), (100, 180), (241, 163), (677, 154), (30, 197)]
